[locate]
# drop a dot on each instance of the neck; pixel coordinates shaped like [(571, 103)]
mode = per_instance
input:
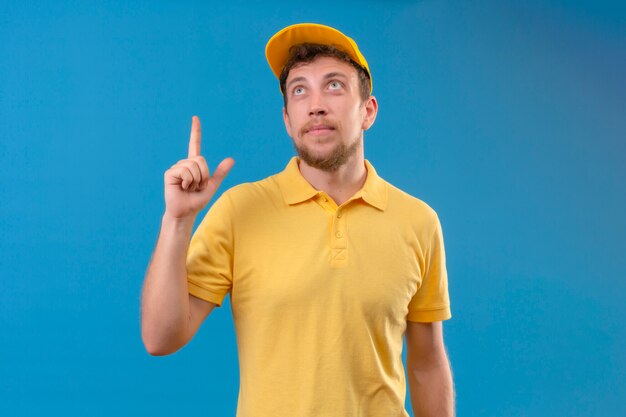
[(341, 184)]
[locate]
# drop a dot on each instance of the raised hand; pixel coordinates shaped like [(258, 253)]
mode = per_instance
[(188, 184)]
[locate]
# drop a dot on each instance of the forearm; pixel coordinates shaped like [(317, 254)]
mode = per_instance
[(432, 390), (165, 296)]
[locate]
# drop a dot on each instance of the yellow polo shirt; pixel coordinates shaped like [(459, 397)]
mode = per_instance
[(320, 293)]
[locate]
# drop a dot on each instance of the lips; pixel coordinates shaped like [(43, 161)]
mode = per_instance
[(320, 128)]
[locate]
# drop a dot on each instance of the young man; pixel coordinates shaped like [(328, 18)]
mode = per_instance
[(327, 265)]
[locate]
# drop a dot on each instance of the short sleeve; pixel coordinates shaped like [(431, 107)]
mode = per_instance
[(210, 254), (431, 302)]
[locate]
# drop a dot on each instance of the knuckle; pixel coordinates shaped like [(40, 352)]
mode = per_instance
[(169, 172), (193, 164), (200, 162)]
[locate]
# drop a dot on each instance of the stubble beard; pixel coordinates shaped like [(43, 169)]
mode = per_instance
[(332, 161)]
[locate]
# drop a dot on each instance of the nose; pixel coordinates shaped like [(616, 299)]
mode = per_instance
[(317, 107)]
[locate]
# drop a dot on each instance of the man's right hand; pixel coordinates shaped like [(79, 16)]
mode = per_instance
[(188, 184)]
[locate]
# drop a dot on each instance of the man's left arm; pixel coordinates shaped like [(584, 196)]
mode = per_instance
[(429, 373)]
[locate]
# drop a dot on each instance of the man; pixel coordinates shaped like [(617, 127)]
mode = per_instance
[(327, 265)]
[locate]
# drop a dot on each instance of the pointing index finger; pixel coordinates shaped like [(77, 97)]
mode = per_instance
[(195, 137)]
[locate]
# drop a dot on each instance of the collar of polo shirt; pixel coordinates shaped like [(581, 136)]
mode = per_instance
[(296, 189)]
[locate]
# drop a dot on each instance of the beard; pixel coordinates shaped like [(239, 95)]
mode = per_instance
[(331, 161)]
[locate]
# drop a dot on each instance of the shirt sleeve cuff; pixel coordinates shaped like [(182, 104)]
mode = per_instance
[(431, 315), (205, 294)]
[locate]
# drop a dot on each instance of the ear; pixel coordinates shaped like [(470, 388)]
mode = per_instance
[(371, 109), (287, 122)]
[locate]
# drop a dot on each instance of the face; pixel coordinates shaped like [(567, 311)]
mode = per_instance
[(325, 115)]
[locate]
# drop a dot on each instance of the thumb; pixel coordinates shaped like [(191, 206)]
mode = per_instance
[(220, 173)]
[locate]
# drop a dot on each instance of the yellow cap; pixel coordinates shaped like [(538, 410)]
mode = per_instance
[(277, 48)]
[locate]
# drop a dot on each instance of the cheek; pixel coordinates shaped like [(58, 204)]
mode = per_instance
[(357, 116), (291, 124), (287, 121)]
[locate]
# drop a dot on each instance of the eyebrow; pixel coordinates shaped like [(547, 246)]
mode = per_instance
[(327, 76), (334, 75), (295, 80)]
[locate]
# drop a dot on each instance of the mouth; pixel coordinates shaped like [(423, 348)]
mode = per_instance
[(318, 130)]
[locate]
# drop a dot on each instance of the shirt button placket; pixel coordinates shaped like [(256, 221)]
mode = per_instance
[(340, 243)]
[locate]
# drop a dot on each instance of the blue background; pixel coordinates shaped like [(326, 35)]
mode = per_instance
[(508, 118)]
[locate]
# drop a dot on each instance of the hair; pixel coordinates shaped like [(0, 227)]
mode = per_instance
[(307, 52)]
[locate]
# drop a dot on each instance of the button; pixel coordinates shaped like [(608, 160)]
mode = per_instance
[(339, 235), (338, 214)]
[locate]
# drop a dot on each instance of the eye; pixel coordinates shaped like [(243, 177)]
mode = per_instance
[(335, 85), (298, 91)]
